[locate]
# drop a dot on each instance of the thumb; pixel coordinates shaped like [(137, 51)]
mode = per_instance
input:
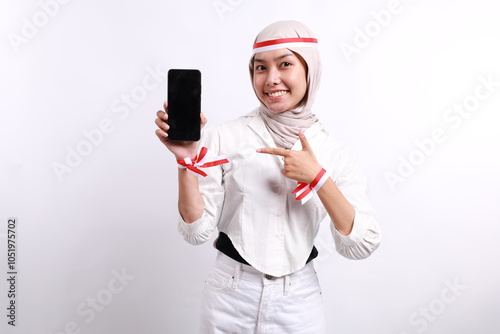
[(303, 141)]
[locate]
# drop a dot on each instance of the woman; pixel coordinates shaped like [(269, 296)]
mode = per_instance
[(285, 174)]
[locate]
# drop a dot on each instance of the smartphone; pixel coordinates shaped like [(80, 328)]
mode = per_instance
[(184, 104)]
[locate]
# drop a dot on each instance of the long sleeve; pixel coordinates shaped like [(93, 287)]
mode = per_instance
[(366, 234), (212, 190)]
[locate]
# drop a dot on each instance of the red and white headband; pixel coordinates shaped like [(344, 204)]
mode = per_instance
[(284, 43)]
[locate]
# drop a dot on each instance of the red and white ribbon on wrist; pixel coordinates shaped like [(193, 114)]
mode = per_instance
[(304, 191), (201, 161)]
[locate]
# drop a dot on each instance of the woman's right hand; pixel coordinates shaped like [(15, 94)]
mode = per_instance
[(181, 149)]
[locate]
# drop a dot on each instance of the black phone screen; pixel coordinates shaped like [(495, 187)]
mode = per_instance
[(184, 104)]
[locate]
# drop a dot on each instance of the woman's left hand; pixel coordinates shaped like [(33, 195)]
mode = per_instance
[(300, 165)]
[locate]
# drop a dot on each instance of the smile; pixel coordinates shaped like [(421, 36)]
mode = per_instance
[(278, 93)]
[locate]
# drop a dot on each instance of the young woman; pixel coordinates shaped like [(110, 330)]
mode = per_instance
[(285, 174)]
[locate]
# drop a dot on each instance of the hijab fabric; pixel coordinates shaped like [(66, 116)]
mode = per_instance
[(284, 127)]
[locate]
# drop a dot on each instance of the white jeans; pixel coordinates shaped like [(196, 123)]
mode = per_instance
[(238, 299)]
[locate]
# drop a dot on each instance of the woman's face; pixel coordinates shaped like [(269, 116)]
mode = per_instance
[(279, 79)]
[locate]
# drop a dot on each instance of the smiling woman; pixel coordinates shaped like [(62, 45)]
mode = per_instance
[(285, 175), (279, 79)]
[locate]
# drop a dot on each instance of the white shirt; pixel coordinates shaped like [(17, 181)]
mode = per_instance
[(252, 202)]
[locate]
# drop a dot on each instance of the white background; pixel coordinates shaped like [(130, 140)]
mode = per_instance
[(114, 211)]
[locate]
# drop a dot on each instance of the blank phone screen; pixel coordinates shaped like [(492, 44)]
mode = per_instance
[(184, 104)]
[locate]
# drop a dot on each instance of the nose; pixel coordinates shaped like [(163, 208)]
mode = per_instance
[(273, 77)]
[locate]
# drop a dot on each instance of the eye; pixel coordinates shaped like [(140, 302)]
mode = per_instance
[(286, 64), (260, 68)]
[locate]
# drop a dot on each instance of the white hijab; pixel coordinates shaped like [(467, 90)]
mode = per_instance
[(284, 127)]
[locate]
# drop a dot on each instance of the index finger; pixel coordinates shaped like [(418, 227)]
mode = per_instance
[(274, 151)]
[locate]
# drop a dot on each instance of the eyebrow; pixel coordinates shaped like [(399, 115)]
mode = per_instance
[(258, 60)]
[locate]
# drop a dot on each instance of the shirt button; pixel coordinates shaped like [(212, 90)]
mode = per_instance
[(279, 213)]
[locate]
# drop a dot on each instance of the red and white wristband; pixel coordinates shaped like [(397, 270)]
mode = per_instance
[(201, 161), (304, 191)]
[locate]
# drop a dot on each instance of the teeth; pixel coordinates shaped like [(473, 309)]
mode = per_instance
[(281, 92)]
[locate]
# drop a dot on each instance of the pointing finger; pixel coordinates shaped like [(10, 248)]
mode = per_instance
[(274, 151)]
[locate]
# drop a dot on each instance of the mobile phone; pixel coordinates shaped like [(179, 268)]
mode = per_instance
[(184, 104)]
